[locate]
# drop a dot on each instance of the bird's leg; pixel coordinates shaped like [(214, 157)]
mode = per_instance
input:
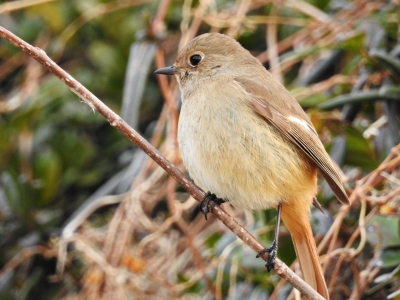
[(272, 251), (209, 202)]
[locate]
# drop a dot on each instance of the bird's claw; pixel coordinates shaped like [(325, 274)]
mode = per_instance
[(272, 251), (209, 202)]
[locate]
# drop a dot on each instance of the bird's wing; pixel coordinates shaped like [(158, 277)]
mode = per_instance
[(296, 127)]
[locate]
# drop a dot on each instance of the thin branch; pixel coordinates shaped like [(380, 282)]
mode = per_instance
[(8, 7)]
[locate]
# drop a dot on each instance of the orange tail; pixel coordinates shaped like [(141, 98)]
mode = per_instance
[(296, 218)]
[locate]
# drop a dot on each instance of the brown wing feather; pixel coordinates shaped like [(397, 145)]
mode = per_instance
[(305, 138)]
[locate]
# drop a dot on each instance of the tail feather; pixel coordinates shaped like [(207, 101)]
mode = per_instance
[(296, 219)]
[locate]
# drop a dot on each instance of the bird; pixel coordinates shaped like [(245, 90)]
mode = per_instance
[(246, 140)]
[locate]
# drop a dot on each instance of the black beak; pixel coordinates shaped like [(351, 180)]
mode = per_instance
[(171, 70)]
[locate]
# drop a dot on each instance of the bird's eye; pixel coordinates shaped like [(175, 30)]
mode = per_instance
[(195, 59)]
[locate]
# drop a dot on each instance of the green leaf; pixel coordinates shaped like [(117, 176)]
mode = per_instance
[(383, 230), (385, 93), (389, 258), (387, 61), (47, 171), (313, 100), (359, 151)]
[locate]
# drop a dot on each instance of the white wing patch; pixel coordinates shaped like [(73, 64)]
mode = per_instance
[(300, 122)]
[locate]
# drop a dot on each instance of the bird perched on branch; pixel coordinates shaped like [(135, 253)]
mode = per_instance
[(245, 138)]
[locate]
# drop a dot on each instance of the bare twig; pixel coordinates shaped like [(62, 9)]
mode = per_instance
[(21, 4)]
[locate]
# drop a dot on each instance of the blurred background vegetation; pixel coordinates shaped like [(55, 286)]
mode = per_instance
[(60, 161)]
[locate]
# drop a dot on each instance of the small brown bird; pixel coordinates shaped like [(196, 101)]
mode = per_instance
[(245, 138)]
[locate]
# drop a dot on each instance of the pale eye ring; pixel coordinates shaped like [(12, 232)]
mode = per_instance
[(195, 59)]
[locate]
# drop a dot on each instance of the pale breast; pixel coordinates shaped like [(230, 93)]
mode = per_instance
[(231, 151)]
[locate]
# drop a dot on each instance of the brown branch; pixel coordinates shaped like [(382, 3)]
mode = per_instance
[(158, 22), (9, 7), (38, 54)]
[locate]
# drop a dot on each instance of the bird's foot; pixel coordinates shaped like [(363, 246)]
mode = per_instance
[(209, 202), (272, 251)]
